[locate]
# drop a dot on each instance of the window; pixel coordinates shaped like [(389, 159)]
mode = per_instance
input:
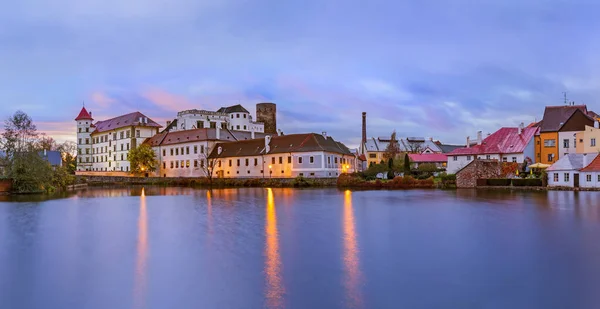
[(504, 159), (244, 126), (79, 141), (164, 165), (373, 156), (137, 133), (538, 142), (171, 151), (574, 143), (231, 116), (201, 148), (164, 150), (300, 160), (202, 163), (195, 163), (454, 158), (488, 157), (592, 142), (244, 115), (87, 141), (588, 178), (566, 143), (549, 143), (280, 160), (514, 159), (219, 163), (335, 160), (122, 135), (566, 177), (128, 133), (328, 160), (187, 163), (312, 174), (301, 174), (237, 116), (550, 156), (114, 136), (229, 162), (176, 151), (289, 159), (121, 157), (468, 158), (79, 130), (195, 149), (127, 146), (273, 160), (87, 130), (176, 164), (237, 127), (255, 162), (238, 162), (599, 178), (247, 161), (122, 149), (187, 150), (311, 159)]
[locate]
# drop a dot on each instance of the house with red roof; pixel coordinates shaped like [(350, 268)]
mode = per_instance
[(508, 144), (438, 159), (590, 174)]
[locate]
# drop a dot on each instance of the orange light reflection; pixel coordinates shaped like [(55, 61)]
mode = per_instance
[(351, 260), (139, 290), (274, 288)]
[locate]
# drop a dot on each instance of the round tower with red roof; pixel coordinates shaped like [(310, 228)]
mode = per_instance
[(84, 141)]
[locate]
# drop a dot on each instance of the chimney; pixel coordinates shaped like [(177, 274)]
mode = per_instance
[(479, 138), (267, 143), (468, 141), (324, 134), (521, 126), (218, 133), (596, 124), (364, 127), (252, 134), (585, 160)]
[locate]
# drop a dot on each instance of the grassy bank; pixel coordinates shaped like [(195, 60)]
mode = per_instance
[(399, 182)]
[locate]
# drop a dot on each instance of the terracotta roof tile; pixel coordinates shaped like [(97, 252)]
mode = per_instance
[(83, 115), (594, 166)]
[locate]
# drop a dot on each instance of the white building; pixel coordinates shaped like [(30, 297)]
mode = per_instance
[(233, 118), (103, 146), (590, 173), (185, 153), (284, 156), (565, 172), (504, 145)]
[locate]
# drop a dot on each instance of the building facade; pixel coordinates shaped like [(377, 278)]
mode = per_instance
[(505, 145), (590, 174), (375, 147), (589, 139), (565, 172), (103, 146), (285, 156), (234, 117)]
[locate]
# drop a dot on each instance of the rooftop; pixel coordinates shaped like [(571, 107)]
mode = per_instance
[(84, 115), (203, 134), (505, 140), (131, 119), (428, 157), (233, 109), (572, 161), (556, 116)]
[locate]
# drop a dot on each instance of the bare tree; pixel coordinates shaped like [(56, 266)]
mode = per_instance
[(45, 142), (207, 163), (393, 148), (414, 146)]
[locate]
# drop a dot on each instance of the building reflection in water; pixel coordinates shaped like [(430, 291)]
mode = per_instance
[(274, 289), (209, 212), (140, 280), (352, 276)]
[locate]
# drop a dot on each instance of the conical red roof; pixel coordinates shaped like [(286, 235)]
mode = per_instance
[(83, 114)]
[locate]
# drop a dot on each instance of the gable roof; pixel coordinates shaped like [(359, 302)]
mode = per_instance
[(505, 140), (131, 119), (427, 157), (571, 161), (556, 116), (233, 109), (449, 148), (381, 143), (196, 135), (577, 121), (281, 144), (52, 157), (84, 115), (594, 165)]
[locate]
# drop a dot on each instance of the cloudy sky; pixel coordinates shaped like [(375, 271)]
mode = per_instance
[(444, 69)]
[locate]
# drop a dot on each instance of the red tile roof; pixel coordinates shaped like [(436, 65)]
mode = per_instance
[(132, 119), (428, 157), (594, 166), (195, 135), (505, 140), (83, 115)]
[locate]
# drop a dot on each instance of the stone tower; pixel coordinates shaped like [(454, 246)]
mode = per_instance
[(84, 141), (267, 114)]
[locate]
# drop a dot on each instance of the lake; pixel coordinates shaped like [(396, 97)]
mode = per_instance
[(287, 248)]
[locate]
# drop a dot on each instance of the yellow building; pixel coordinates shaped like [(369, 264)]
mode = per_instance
[(589, 140), (558, 129)]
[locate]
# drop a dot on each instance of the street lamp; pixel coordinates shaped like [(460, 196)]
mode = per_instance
[(270, 171)]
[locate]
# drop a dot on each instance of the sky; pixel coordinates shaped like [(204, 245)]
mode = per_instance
[(441, 69)]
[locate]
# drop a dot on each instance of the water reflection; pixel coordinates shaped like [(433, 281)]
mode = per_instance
[(209, 212), (274, 288), (139, 290), (352, 277)]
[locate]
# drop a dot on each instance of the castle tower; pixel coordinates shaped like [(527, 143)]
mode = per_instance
[(267, 114), (84, 140)]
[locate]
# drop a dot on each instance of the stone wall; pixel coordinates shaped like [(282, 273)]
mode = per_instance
[(477, 169), (201, 181), (267, 114)]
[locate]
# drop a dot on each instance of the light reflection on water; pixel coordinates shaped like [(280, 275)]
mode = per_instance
[(274, 290), (140, 280), (352, 278)]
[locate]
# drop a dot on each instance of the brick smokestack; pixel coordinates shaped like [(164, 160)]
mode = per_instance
[(364, 127)]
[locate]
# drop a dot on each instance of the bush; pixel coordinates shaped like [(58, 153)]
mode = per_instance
[(498, 182), (529, 182)]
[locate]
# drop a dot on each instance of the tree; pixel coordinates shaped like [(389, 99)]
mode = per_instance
[(45, 142), (406, 163), (393, 148), (142, 159), (68, 151), (20, 134), (427, 167), (391, 174), (208, 164), (414, 146)]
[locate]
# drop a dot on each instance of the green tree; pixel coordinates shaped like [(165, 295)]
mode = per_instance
[(427, 167), (29, 172), (20, 134), (142, 159), (406, 163), (68, 150), (393, 148), (391, 173)]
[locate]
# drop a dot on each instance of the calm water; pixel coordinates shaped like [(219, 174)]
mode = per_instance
[(286, 248)]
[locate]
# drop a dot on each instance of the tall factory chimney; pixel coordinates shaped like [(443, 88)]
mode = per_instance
[(363, 142), (267, 114)]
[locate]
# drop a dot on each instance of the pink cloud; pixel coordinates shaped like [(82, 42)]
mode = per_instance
[(60, 130), (102, 99), (168, 101)]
